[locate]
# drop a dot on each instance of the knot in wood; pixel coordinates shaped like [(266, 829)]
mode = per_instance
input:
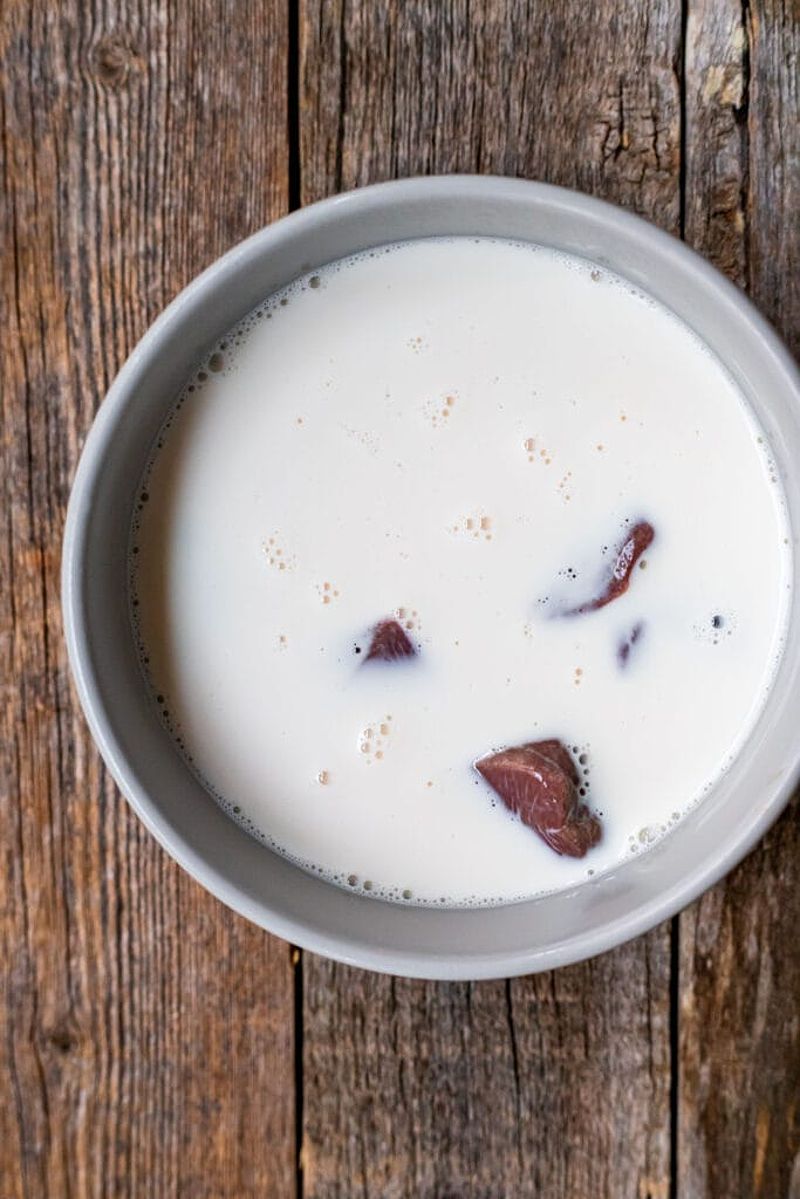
[(112, 59)]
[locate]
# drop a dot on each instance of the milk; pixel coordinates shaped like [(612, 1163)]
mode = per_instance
[(453, 434)]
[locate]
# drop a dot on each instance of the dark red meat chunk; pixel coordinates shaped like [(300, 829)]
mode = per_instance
[(389, 642), (538, 782), (626, 645), (637, 541), (575, 838)]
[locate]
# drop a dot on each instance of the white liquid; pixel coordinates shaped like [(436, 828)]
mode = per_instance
[(456, 429)]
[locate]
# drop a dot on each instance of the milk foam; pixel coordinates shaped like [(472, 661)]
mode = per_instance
[(455, 433)]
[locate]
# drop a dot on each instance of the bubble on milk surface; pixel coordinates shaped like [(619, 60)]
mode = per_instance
[(716, 627)]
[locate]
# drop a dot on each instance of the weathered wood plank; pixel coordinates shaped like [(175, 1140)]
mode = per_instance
[(509, 88), (739, 1126), (556, 1085), (553, 1085), (146, 1033)]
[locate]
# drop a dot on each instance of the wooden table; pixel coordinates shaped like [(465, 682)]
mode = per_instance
[(154, 1044)]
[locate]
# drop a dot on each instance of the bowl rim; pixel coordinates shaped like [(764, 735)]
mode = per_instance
[(301, 932)]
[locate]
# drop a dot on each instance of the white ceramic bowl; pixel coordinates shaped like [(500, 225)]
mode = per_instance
[(515, 939)]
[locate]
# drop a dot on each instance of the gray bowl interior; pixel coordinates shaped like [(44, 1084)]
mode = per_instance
[(266, 888)]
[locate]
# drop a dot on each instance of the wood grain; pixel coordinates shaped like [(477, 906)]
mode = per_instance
[(556, 1085), (503, 86), (739, 1126), (147, 1043), (551, 1086)]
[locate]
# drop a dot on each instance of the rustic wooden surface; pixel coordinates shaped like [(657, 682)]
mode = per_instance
[(739, 977), (147, 1033), (153, 1043)]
